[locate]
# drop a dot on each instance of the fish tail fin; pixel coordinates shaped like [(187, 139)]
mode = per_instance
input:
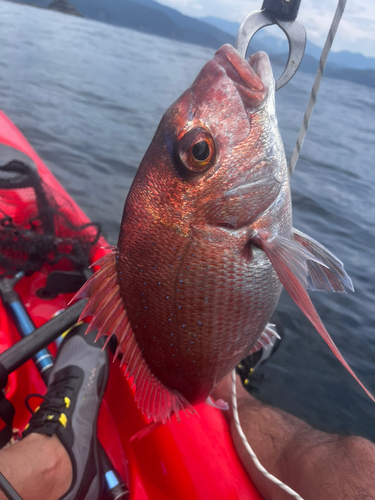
[(289, 258), (109, 317)]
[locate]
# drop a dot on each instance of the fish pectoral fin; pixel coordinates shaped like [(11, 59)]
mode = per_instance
[(288, 258), (109, 317), (331, 277)]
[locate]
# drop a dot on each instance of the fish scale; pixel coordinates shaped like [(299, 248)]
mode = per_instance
[(192, 273)]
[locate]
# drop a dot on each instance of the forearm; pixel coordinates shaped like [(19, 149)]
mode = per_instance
[(38, 468), (317, 465)]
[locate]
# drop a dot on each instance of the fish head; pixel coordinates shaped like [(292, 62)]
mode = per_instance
[(215, 158)]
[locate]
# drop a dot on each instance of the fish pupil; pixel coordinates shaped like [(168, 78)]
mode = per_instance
[(201, 151)]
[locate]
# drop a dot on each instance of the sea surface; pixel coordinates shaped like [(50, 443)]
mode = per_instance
[(89, 96)]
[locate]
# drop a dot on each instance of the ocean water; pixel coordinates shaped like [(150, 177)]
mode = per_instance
[(89, 96)]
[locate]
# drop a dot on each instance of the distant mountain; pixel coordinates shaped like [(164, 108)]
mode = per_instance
[(191, 26), (130, 15), (353, 60), (150, 16), (273, 45), (37, 3), (63, 6), (350, 66), (221, 24), (310, 65)]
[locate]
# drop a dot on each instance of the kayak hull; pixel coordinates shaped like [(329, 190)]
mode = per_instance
[(194, 459)]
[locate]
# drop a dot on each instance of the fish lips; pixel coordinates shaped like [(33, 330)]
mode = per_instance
[(253, 79)]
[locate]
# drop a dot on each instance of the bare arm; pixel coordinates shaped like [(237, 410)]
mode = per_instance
[(319, 466), (38, 468)]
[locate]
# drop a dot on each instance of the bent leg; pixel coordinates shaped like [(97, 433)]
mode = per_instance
[(38, 467), (319, 466)]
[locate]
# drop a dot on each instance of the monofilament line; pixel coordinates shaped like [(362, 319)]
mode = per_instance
[(258, 465), (318, 78)]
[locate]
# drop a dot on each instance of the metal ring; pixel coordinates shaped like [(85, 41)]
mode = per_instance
[(294, 31)]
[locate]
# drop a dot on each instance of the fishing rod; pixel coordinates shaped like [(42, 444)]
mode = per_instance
[(22, 351), (43, 359)]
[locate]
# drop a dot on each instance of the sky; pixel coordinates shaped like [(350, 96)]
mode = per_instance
[(356, 32)]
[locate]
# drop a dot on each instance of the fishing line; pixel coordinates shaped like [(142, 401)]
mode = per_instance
[(249, 449), (315, 88)]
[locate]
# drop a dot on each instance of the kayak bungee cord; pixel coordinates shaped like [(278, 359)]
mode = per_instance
[(301, 137), (315, 88)]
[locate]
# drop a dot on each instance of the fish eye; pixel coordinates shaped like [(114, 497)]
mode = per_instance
[(201, 150), (196, 150)]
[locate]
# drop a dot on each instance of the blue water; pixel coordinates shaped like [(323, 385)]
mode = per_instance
[(89, 96)]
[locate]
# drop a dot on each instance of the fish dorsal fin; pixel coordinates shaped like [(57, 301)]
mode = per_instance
[(109, 317), (289, 259)]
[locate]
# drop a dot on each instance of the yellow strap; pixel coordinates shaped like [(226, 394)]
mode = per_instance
[(63, 420), (63, 335)]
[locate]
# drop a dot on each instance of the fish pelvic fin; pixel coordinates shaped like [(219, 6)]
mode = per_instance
[(220, 404), (267, 339), (109, 317), (288, 258), (330, 277)]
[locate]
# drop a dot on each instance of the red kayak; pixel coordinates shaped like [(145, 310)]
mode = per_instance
[(194, 459)]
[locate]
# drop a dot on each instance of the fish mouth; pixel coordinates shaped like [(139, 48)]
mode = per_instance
[(253, 79)]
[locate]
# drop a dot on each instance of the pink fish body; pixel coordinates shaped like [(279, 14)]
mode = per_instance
[(206, 241)]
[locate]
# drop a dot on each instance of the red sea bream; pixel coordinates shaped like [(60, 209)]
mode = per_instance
[(207, 242)]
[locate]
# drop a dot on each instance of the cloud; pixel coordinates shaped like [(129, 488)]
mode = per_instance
[(356, 31)]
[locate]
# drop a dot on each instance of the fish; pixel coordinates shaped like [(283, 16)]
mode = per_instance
[(207, 243)]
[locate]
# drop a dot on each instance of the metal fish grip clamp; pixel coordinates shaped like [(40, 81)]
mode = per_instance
[(282, 13)]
